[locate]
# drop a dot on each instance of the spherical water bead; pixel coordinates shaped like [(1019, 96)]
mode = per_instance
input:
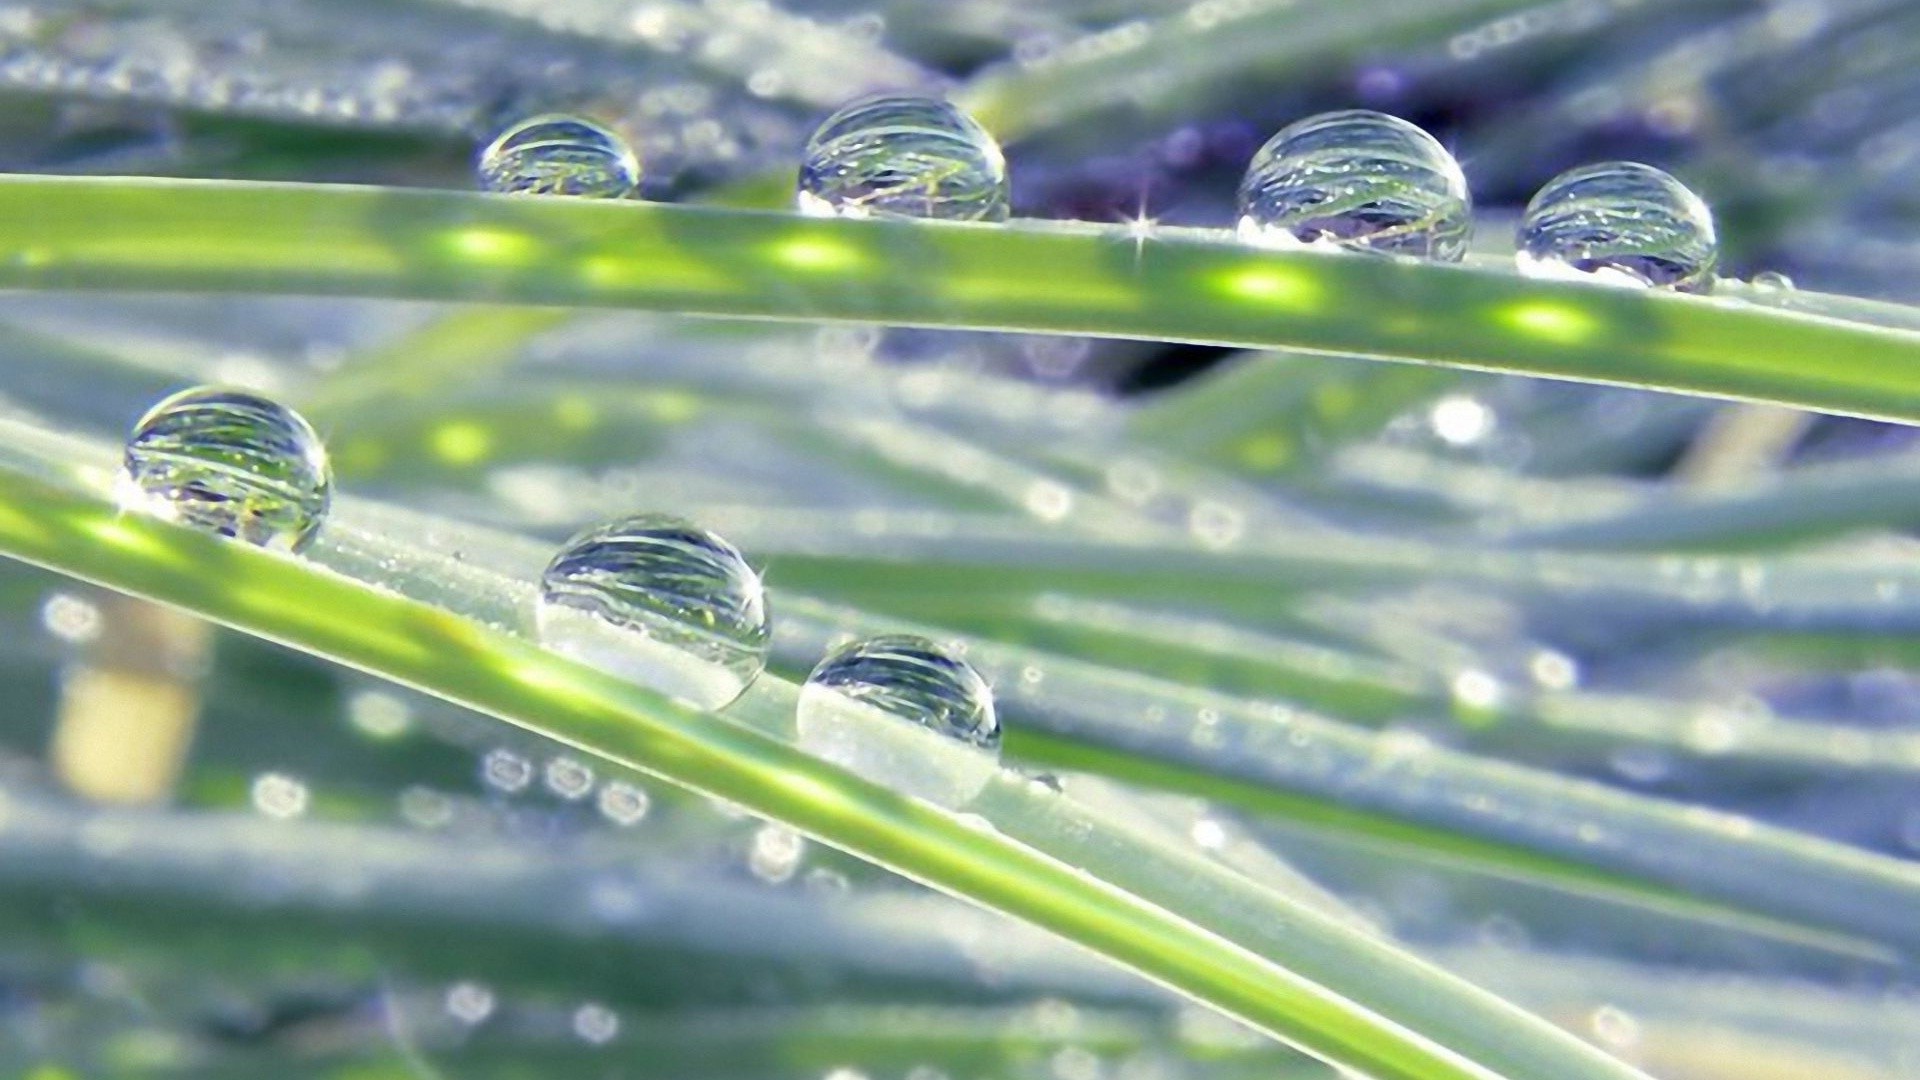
[(1621, 223), (899, 156), (1358, 180), (559, 155), (659, 601), (232, 463), (903, 711)]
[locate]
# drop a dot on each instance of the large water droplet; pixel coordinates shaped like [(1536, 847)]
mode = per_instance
[(229, 462), (903, 711), (1621, 223), (559, 155), (1359, 180), (898, 156), (659, 601)]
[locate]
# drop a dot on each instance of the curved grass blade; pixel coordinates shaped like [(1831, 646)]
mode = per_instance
[(1035, 276), (1257, 958)]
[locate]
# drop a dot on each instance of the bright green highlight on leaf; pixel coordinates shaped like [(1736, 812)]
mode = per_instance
[(1043, 277)]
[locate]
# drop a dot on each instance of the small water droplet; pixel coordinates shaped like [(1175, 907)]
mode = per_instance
[(1620, 223), (71, 618), (623, 803), (279, 796), (568, 778), (660, 601), (903, 156), (1358, 180), (775, 853), (231, 463), (379, 715), (853, 705), (595, 1023), (505, 771), (559, 155), (469, 1002), (1772, 281)]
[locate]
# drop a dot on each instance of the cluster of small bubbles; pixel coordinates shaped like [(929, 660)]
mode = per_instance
[(903, 156), (559, 155), (862, 691), (1359, 181), (623, 803), (595, 1023), (378, 714), (569, 779), (70, 618), (469, 1002), (660, 601), (775, 853), (1461, 420), (505, 771), (229, 462), (1620, 223), (425, 808), (279, 796)]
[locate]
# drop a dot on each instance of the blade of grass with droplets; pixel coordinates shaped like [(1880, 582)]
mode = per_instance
[(1035, 276), (1078, 715), (1383, 1013)]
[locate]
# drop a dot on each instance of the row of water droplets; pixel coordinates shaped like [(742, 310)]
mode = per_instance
[(648, 597), (1353, 180)]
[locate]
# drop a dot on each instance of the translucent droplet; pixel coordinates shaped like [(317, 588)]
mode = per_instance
[(900, 156), (1621, 223), (232, 463), (1358, 180), (903, 711), (660, 601), (1772, 281), (559, 155)]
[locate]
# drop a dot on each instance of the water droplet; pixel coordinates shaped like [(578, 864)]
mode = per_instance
[(902, 156), (595, 1023), (775, 853), (1358, 180), (903, 711), (503, 770), (1621, 223), (469, 1002), (229, 462), (559, 155), (568, 778), (660, 601), (623, 803), (278, 795), (71, 618), (1772, 281)]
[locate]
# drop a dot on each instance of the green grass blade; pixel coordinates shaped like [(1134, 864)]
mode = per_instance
[(1392, 1018), (1034, 276)]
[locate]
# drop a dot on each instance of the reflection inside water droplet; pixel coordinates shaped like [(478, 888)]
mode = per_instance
[(232, 463), (660, 601), (1357, 180), (1619, 223), (902, 156), (559, 155), (905, 712)]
